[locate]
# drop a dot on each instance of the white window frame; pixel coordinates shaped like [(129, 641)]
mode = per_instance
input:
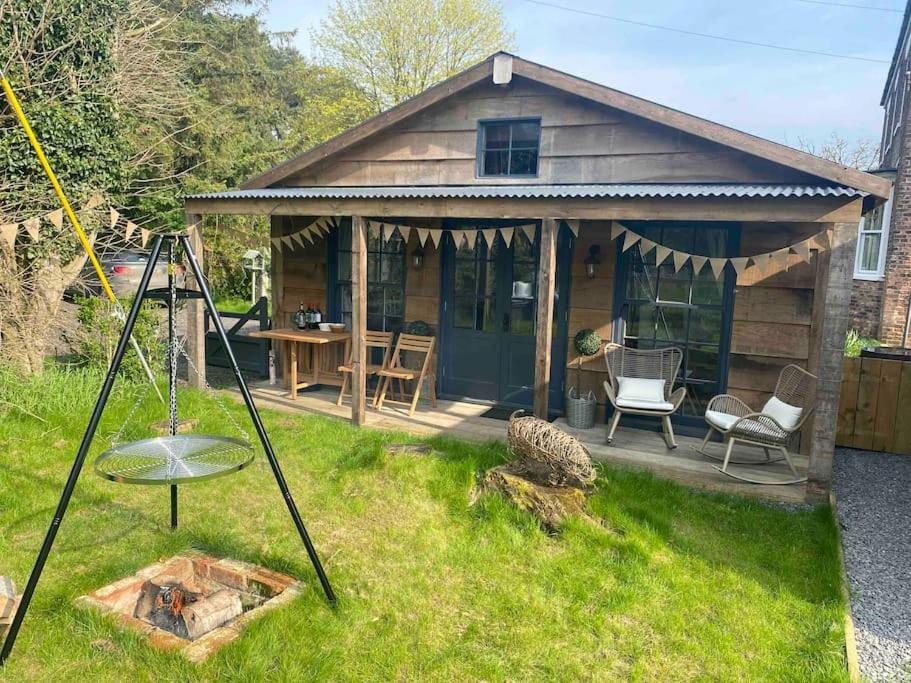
[(862, 232)]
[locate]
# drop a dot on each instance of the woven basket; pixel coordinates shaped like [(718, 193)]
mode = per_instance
[(580, 409)]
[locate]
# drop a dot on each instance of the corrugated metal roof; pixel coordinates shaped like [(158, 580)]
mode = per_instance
[(601, 191)]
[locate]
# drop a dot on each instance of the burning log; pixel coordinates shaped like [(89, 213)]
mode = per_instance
[(162, 602), (8, 603)]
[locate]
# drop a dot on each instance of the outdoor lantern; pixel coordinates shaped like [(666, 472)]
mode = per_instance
[(417, 257), (592, 262)]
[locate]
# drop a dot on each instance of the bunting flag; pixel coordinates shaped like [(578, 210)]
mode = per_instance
[(423, 234), (307, 234), (739, 264), (115, 216), (680, 260), (8, 233), (404, 231), (781, 258), (93, 202), (661, 254), (130, 229), (646, 246), (33, 228), (298, 237), (761, 261), (471, 236), (802, 249), (698, 262), (144, 235), (56, 218), (629, 239), (436, 236), (457, 237), (277, 243), (288, 242), (573, 225), (489, 236), (717, 266), (616, 230), (506, 234), (529, 231)]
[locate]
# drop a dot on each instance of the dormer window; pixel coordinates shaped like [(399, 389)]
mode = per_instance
[(509, 147)]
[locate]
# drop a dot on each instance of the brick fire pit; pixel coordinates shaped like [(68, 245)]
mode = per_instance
[(193, 603)]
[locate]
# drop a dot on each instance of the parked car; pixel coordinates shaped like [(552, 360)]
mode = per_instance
[(124, 270)]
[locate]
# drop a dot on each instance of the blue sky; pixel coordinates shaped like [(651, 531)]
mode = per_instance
[(778, 95)]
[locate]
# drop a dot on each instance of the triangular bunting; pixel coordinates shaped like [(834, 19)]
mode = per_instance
[(529, 231), (506, 234), (144, 235), (130, 229), (761, 261), (471, 236), (288, 242), (661, 254), (616, 230), (298, 237), (307, 234), (56, 218), (573, 225), (115, 216), (629, 239), (489, 236), (436, 236), (698, 263), (318, 226), (645, 246), (782, 258), (802, 250), (32, 227), (277, 243), (93, 202), (457, 237), (423, 234), (717, 266), (821, 240), (680, 259), (8, 233), (739, 264)]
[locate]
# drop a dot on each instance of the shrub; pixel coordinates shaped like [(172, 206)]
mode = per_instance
[(420, 328), (100, 331), (854, 343), (587, 342)]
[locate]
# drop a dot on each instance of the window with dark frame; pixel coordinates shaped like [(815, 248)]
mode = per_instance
[(509, 148), (385, 279)]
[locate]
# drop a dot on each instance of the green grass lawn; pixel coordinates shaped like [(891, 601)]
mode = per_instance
[(678, 585)]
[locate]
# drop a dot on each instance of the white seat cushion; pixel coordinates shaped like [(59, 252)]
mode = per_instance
[(783, 413), (723, 421), (644, 405), (638, 389)]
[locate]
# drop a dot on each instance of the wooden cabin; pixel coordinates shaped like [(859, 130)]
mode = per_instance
[(512, 144)]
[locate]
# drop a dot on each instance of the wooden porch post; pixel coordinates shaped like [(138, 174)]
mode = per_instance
[(196, 333), (835, 316), (544, 317), (358, 319)]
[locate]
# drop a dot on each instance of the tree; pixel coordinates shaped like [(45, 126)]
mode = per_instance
[(395, 49), (861, 154)]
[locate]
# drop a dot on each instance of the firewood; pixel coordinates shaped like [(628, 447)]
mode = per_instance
[(211, 612), (8, 599)]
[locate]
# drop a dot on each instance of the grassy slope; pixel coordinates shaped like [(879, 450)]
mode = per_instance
[(680, 586)]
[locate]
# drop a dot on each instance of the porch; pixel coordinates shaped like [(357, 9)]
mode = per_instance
[(634, 448)]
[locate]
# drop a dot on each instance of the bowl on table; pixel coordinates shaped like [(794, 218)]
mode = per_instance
[(336, 327), (324, 327)]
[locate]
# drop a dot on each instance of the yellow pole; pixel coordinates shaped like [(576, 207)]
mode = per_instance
[(74, 219)]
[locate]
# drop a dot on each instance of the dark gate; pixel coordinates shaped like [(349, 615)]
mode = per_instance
[(252, 354)]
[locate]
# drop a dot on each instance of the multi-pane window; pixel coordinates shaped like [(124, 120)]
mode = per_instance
[(385, 279), (872, 241), (509, 148)]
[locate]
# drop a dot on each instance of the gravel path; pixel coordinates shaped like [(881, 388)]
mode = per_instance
[(873, 493)]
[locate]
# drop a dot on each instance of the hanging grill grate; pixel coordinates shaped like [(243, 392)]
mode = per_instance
[(176, 459)]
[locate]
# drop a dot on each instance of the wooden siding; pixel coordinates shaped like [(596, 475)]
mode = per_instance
[(581, 142), (872, 393)]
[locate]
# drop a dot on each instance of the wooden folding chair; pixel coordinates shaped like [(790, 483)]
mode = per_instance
[(410, 343), (373, 340)]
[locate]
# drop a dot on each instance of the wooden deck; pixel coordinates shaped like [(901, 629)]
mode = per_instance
[(631, 448)]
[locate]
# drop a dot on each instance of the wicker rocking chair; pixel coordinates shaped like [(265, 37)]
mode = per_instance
[(771, 429), (632, 375)]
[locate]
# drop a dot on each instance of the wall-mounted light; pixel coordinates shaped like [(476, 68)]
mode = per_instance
[(417, 258), (592, 262)]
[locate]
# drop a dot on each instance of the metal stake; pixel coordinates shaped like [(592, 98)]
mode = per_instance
[(172, 366)]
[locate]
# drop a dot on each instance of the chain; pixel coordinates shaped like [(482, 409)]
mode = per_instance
[(116, 439), (217, 398)]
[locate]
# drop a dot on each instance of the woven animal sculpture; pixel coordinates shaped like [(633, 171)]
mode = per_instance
[(565, 459)]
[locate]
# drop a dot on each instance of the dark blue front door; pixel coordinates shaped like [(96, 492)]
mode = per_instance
[(489, 319)]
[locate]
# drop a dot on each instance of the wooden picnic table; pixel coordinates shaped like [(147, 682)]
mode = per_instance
[(316, 340)]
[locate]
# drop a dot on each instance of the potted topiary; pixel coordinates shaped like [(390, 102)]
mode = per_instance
[(580, 408)]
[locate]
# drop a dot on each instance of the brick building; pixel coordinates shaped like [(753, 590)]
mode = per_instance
[(882, 272)]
